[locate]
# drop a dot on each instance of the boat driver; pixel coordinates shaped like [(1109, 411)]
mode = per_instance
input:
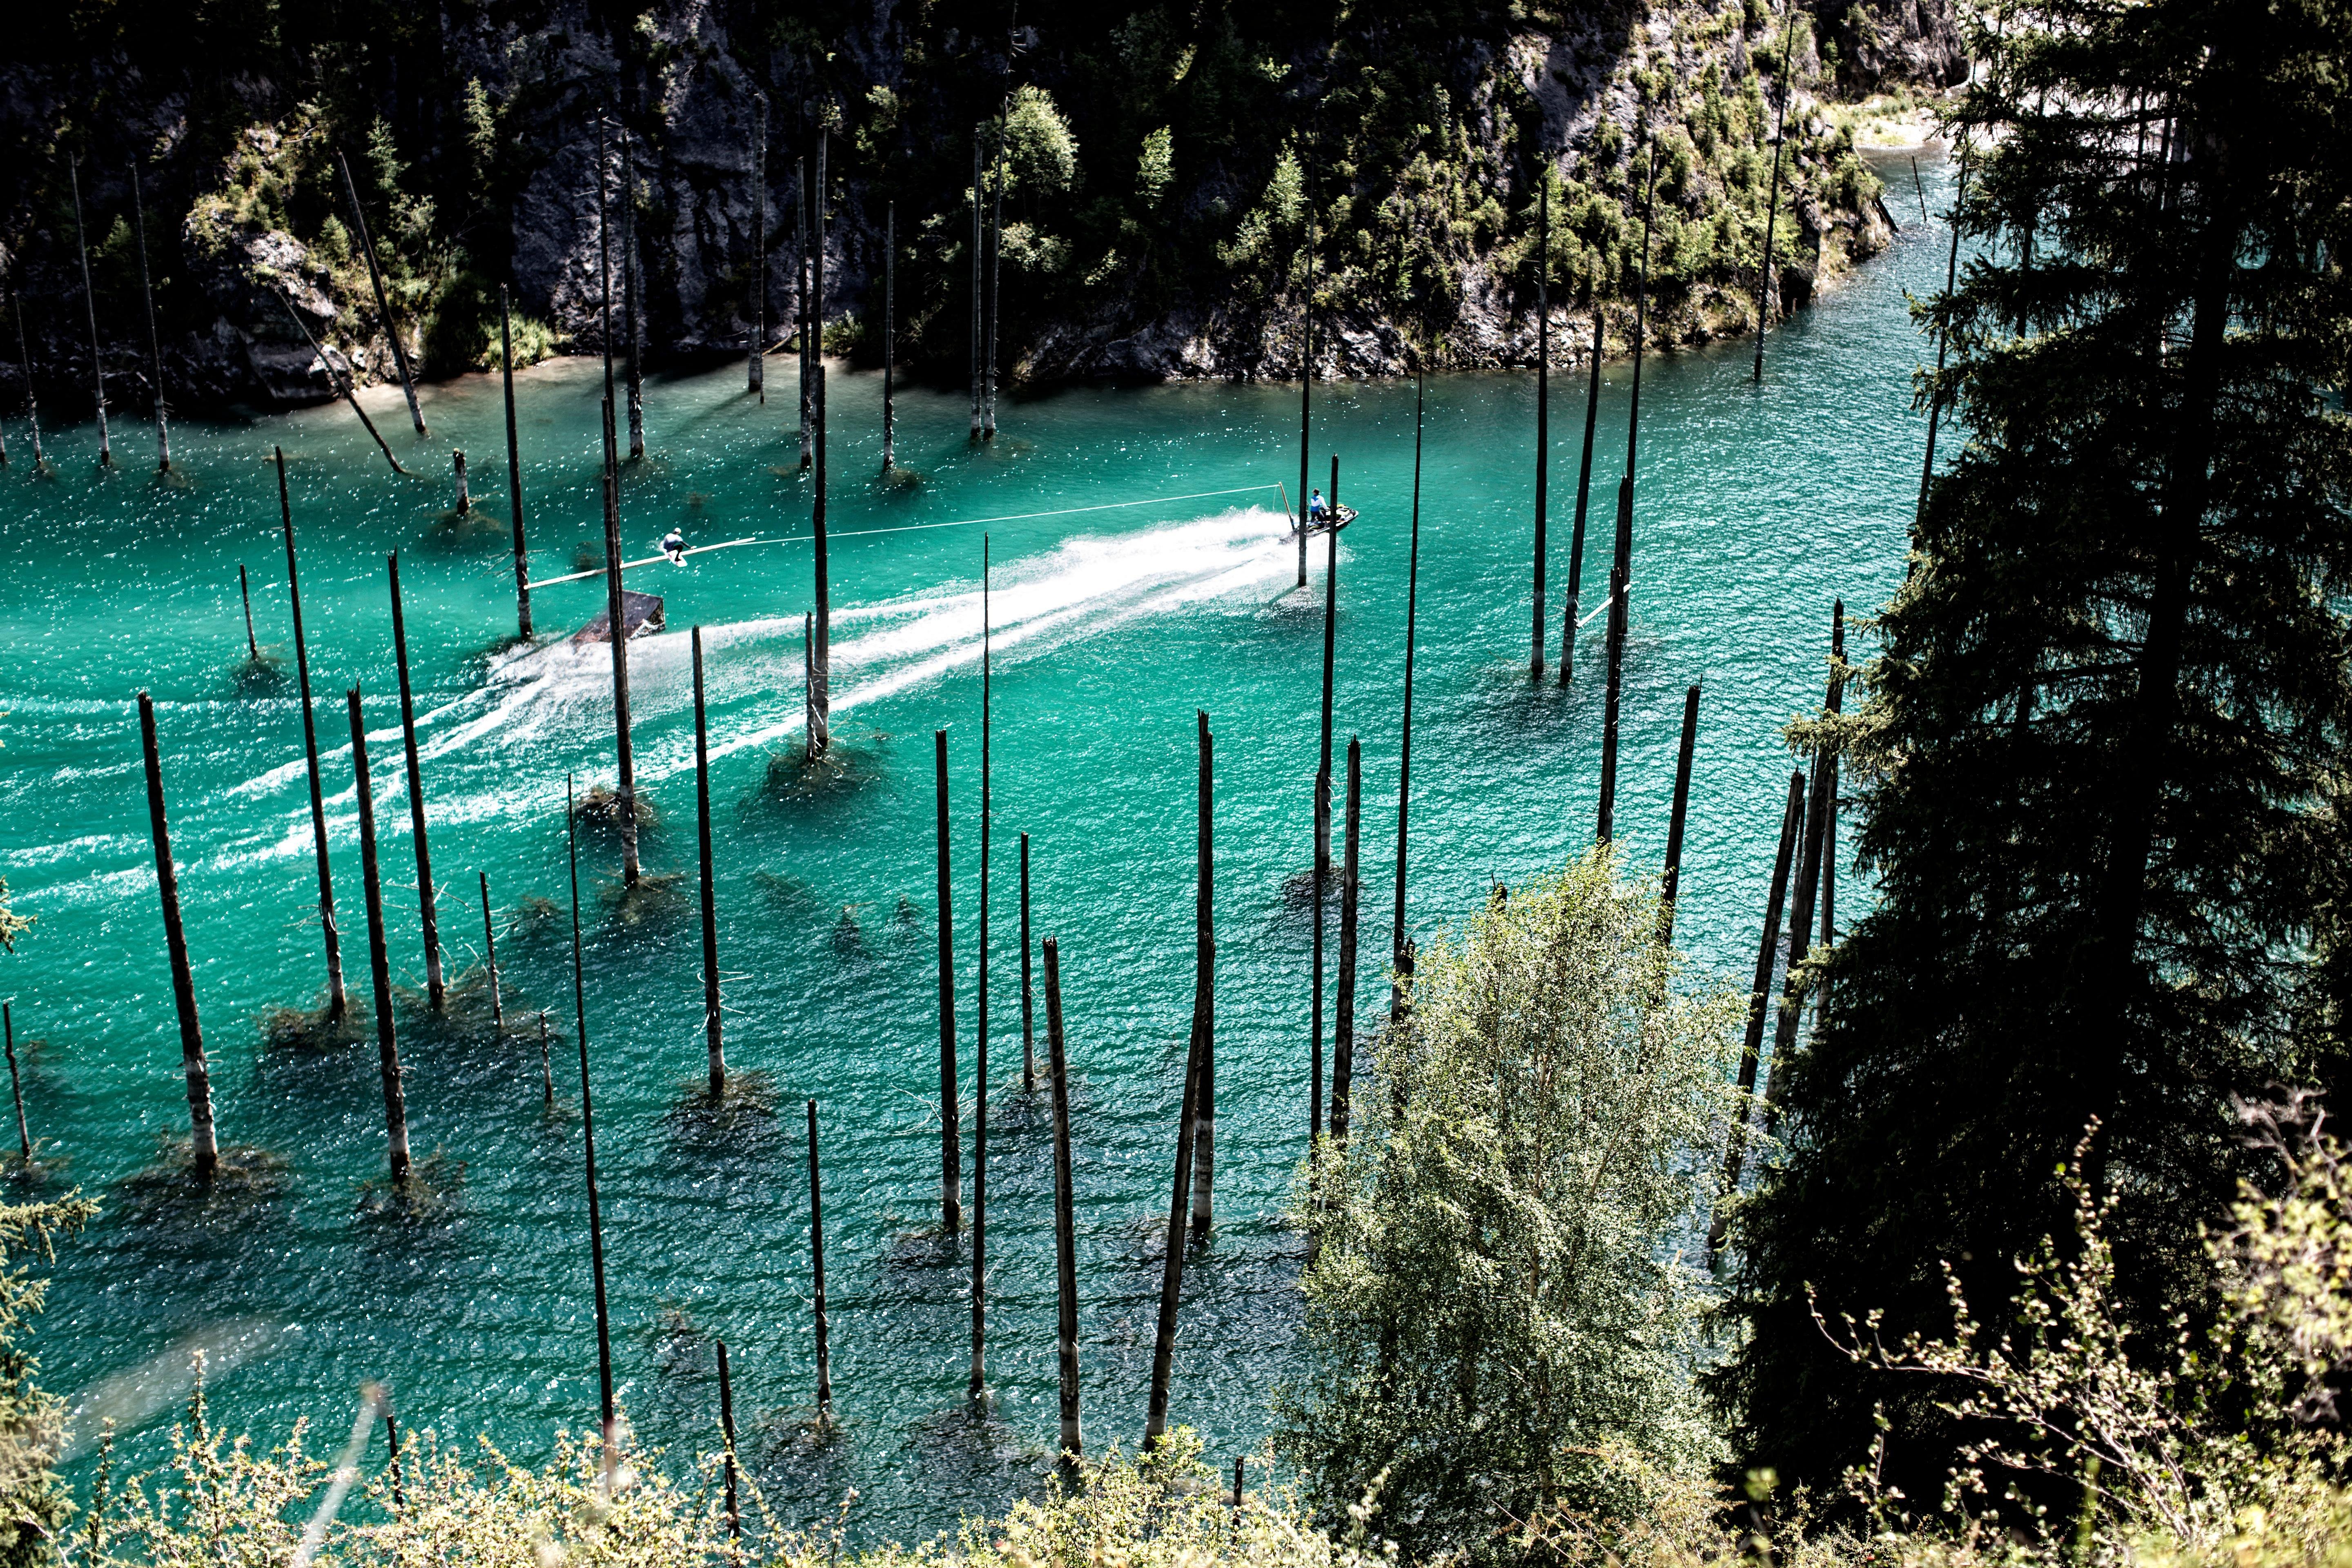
[(1315, 509)]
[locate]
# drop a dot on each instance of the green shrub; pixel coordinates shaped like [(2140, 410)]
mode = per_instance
[(1495, 1288)]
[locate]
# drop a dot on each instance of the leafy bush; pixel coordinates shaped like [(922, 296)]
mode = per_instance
[(1495, 1289)]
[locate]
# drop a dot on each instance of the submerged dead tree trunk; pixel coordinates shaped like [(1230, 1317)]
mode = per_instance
[(820, 679), (977, 221), (1621, 575), (387, 1045), (608, 1413), (514, 473), (1583, 498), (16, 1091), (427, 895), (816, 1269), (1400, 942), (629, 299), (1028, 1033), (204, 1147), (1543, 413), (756, 358), (382, 304), (491, 958), (979, 1381), (1204, 992), (1322, 872), (1343, 1031), (1759, 1002), (25, 352), (800, 306), (155, 340), (1670, 885), (245, 594), (1764, 290), (712, 1032), (995, 291), (615, 601), (1171, 1273), (89, 299), (950, 1139), (337, 999), (342, 383), (1066, 1244), (1306, 403)]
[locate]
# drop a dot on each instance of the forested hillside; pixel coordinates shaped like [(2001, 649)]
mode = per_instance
[(1164, 169)]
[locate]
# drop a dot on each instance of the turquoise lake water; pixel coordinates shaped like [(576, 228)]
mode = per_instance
[(1756, 508)]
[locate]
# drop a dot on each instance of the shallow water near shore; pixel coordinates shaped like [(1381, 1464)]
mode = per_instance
[(1756, 506)]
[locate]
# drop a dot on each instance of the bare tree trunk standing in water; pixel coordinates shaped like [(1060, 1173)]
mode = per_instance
[(756, 358), (995, 291), (629, 299), (383, 306), (607, 1412), (820, 684), (1171, 1273), (1400, 943), (1670, 885), (1759, 1002), (337, 1000), (1323, 816), (427, 895), (245, 592), (813, 353), (802, 203), (615, 601), (1028, 1034), (1065, 1247), (1764, 280), (978, 219), (889, 337), (155, 340), (816, 1261), (387, 1045), (980, 1031), (25, 352), (1306, 393), (1204, 995), (1543, 411), (950, 1135), (89, 297), (1343, 1025), (342, 383), (204, 1148), (491, 958), (1584, 495), (514, 472), (16, 1093), (1621, 573), (711, 1030), (1935, 396)]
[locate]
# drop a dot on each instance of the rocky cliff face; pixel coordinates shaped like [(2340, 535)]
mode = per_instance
[(1166, 179)]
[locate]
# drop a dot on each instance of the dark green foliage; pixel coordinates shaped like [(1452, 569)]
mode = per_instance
[(2102, 758)]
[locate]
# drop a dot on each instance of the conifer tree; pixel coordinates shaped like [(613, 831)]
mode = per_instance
[(2095, 761)]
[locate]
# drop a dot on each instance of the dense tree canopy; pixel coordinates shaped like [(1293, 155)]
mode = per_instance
[(2103, 744)]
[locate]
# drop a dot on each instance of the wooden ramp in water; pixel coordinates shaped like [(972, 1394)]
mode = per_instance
[(639, 613)]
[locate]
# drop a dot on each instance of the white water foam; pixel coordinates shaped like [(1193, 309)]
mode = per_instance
[(539, 697)]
